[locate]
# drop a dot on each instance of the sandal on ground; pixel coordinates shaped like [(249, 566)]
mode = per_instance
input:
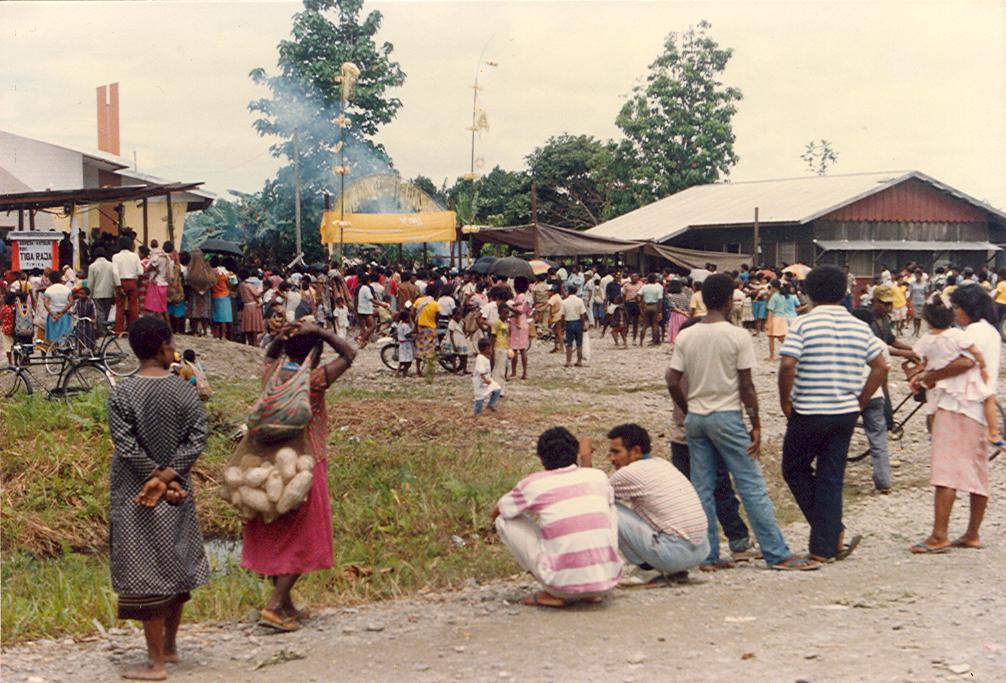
[(799, 564), (847, 549), (999, 445), (961, 543), (269, 619), (717, 565), (539, 600), (921, 548)]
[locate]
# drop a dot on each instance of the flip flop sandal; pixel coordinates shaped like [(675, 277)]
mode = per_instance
[(799, 564), (849, 547), (923, 549), (533, 601), (960, 543), (271, 620)]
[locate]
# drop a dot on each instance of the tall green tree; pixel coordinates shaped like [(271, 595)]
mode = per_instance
[(678, 124), (305, 98), (570, 179)]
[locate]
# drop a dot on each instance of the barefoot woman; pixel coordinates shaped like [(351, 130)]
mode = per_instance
[(301, 540), (159, 429)]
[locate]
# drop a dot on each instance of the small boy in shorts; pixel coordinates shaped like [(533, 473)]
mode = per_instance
[(620, 322)]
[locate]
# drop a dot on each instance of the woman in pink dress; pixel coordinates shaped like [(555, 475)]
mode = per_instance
[(301, 540), (519, 326)]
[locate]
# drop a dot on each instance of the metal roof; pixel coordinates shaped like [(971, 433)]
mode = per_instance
[(794, 201), (46, 199), (903, 245)]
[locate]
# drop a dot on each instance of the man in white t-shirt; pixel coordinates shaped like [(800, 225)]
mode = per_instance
[(717, 358), (574, 314)]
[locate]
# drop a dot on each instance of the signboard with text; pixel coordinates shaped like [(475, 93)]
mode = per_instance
[(32, 250)]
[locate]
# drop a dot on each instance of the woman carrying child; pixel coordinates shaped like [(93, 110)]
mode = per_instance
[(301, 540), (158, 427), (963, 402)]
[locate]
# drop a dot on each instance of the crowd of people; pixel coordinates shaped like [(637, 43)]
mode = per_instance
[(579, 532)]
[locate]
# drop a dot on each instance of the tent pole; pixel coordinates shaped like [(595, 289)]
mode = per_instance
[(145, 229), (756, 247), (20, 219), (171, 220), (31, 219)]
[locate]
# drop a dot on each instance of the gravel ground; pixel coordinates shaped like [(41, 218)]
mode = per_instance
[(882, 615)]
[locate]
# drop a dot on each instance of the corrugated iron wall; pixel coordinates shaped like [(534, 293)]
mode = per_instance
[(912, 200)]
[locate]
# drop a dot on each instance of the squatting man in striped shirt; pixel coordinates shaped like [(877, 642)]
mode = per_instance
[(821, 392)]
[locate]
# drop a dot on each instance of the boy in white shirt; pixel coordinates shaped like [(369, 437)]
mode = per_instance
[(483, 385)]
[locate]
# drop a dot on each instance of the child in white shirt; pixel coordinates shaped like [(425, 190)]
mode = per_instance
[(483, 385), (341, 315)]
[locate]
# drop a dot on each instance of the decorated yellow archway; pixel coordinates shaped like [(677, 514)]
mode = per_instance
[(428, 222)]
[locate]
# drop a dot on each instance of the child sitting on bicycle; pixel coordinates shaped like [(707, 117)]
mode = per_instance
[(942, 345)]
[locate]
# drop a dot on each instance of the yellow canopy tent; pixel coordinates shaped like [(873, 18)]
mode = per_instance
[(389, 228), (428, 223)]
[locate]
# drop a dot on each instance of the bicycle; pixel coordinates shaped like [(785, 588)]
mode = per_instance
[(450, 362), (112, 351), (896, 427), (77, 377)]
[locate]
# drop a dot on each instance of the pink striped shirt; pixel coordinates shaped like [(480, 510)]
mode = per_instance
[(575, 510)]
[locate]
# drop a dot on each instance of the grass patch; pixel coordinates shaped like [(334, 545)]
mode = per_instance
[(411, 482)]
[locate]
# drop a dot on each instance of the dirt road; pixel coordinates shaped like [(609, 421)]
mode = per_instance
[(882, 615)]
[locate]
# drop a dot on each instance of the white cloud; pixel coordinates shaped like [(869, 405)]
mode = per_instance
[(892, 84)]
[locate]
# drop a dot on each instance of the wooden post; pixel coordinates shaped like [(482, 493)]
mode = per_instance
[(146, 229), (171, 220), (756, 246), (296, 189), (20, 219), (31, 219)]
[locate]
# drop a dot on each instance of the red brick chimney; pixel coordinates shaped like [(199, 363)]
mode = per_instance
[(108, 118)]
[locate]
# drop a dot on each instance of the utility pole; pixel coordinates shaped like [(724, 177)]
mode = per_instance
[(755, 247), (296, 187)]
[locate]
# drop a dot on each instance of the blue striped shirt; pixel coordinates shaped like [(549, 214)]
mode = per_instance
[(831, 348)]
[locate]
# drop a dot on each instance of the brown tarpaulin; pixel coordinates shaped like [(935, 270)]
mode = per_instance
[(555, 241), (551, 240), (693, 258)]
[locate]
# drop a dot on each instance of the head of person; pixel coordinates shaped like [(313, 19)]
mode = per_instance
[(143, 251), (936, 314), (188, 355), (154, 244), (243, 273), (557, 448), (918, 273), (55, 277), (652, 278), (570, 290), (627, 444), (150, 339), (83, 293), (125, 243), (485, 346), (299, 346), (718, 292), (504, 313), (169, 247), (634, 278), (883, 300), (675, 287), (403, 316), (972, 304), (775, 284), (520, 284), (99, 253), (826, 285), (951, 280)]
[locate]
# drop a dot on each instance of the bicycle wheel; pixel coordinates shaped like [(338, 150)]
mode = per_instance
[(118, 358), (53, 356), (389, 356), (87, 379), (14, 383)]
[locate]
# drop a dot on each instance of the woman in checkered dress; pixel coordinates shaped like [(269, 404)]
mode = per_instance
[(159, 429)]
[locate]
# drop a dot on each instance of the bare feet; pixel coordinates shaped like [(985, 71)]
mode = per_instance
[(145, 672), (171, 657)]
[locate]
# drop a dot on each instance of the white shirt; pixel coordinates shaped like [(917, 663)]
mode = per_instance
[(572, 308), (483, 369), (421, 287), (127, 265), (292, 302), (988, 341), (58, 294), (604, 284), (446, 305), (711, 355), (491, 312)]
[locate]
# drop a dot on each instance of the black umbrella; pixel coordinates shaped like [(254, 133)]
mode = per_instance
[(483, 264), (218, 246), (511, 266)]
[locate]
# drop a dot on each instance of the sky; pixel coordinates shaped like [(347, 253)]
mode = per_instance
[(893, 85)]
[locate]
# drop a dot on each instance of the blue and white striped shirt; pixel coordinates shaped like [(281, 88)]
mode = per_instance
[(831, 347)]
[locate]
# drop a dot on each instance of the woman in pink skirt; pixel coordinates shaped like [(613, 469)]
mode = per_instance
[(301, 540), (252, 323), (960, 450), (519, 326), (677, 302)]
